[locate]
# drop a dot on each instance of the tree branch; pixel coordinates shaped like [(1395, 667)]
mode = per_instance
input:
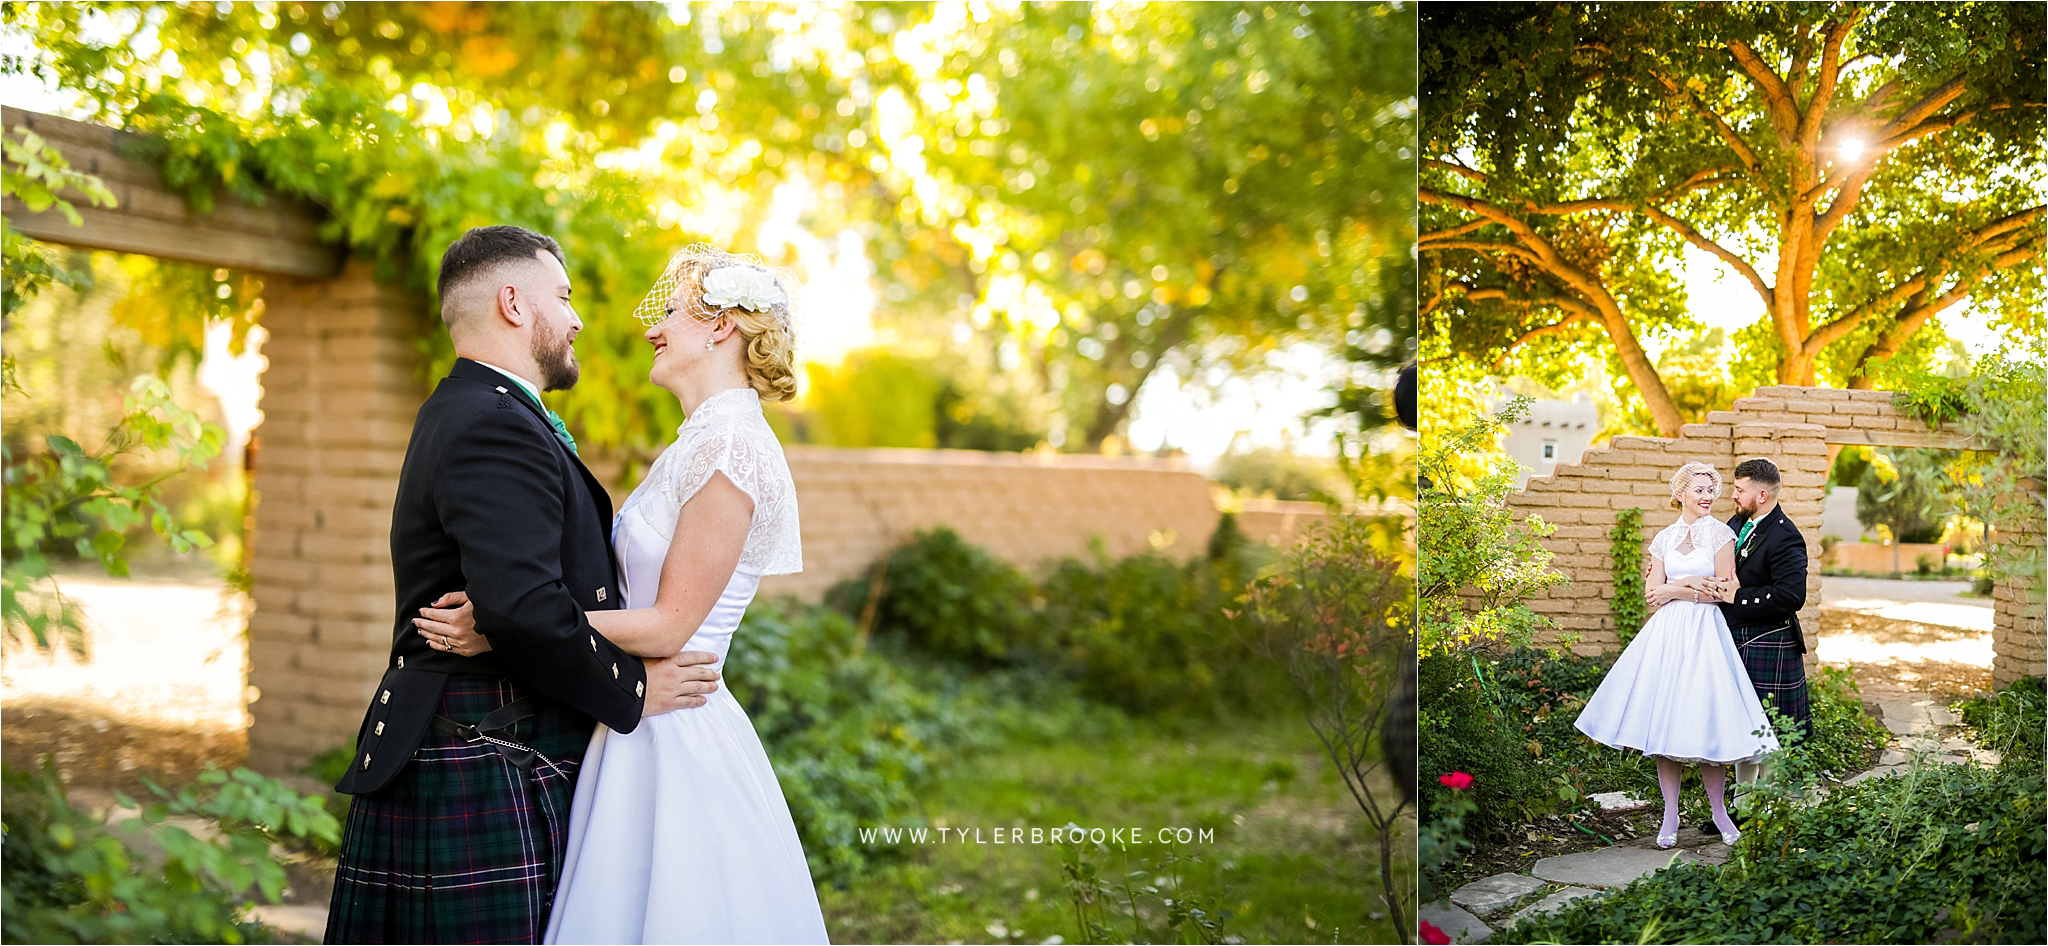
[(1830, 78), (1733, 138), (1916, 314), (1991, 235), (1778, 101), (1696, 238)]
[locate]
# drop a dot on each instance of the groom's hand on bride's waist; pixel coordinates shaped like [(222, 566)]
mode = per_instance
[(684, 681)]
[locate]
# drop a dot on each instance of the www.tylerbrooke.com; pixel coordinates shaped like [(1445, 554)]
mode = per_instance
[(1020, 835)]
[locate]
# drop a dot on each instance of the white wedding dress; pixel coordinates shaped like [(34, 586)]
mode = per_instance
[(1679, 690), (679, 832)]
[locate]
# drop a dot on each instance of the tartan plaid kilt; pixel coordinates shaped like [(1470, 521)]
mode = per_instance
[(462, 847), (1776, 663)]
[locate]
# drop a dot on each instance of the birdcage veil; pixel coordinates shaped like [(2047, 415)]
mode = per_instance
[(1683, 478), (681, 289)]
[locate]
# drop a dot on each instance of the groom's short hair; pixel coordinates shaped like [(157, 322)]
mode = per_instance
[(483, 249), (1758, 470)]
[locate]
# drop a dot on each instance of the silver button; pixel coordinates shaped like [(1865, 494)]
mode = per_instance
[(615, 671), (501, 389), (639, 688), (401, 663), (593, 643), (386, 698), (1767, 594), (380, 729), (366, 760), (600, 594)]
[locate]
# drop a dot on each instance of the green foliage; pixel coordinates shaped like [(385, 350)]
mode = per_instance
[(1279, 473), (66, 499), (1850, 465), (1905, 490), (2002, 402), (850, 736), (950, 598), (1628, 606), (70, 879), (1477, 564), (1073, 196), (1942, 853), (1441, 842), (1145, 632), (1573, 156), (2010, 722), (1462, 724), (1103, 902), (35, 173)]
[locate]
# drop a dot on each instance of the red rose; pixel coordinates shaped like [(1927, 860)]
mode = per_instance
[(1456, 781), (1430, 934)]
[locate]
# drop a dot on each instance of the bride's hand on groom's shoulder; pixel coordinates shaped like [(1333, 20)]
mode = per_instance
[(680, 682), (449, 624)]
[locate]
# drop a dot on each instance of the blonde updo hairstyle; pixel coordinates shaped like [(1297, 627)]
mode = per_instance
[(1683, 479), (768, 334)]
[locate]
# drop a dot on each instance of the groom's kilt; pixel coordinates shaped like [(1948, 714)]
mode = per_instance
[(1775, 658), (463, 847)]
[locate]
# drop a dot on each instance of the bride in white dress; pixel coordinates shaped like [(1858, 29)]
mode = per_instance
[(680, 832), (1679, 692)]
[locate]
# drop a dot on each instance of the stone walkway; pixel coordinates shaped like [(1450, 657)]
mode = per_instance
[(1474, 911)]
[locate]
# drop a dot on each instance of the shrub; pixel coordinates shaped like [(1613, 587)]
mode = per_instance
[(2011, 722), (949, 597), (847, 733), (69, 879), (1145, 633), (1462, 725), (1944, 853)]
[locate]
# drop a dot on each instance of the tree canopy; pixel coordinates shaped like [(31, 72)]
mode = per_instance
[(1063, 196), (1864, 168)]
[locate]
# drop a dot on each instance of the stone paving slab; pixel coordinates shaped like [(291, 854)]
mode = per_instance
[(1554, 902), (1496, 894), (1617, 801), (1608, 867), (1460, 926)]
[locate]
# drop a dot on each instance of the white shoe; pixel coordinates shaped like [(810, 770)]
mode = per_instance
[(1667, 841), (1729, 838)]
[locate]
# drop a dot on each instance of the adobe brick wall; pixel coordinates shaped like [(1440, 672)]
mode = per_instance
[(2017, 634), (339, 397), (1794, 427)]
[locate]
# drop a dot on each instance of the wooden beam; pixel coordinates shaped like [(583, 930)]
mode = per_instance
[(281, 237)]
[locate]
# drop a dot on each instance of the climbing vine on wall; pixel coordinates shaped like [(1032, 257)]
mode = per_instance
[(1628, 606)]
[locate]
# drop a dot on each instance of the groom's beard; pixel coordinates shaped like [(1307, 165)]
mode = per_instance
[(553, 356)]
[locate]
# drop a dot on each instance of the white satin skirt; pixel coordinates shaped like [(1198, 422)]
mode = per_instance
[(1679, 690)]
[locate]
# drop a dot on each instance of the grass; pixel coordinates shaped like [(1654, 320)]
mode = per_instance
[(1286, 839)]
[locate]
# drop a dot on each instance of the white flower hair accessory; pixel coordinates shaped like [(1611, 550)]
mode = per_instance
[(743, 286), (725, 281)]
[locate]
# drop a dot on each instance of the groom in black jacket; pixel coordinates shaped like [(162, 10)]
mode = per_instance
[(465, 765), (1762, 603)]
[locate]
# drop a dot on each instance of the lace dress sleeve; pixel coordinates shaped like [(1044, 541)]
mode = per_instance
[(752, 460), (1710, 533), (1666, 539)]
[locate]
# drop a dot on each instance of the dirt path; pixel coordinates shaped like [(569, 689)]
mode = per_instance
[(160, 691)]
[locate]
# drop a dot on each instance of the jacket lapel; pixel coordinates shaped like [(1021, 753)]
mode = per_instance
[(468, 370)]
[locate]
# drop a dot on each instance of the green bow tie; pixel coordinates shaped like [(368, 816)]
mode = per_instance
[(554, 420)]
